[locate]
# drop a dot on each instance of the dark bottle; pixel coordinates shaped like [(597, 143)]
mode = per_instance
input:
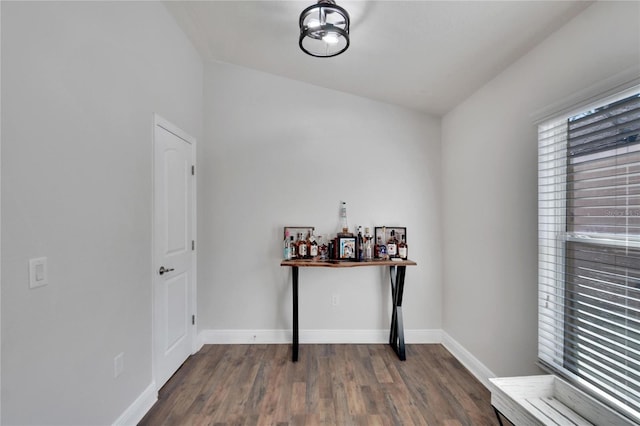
[(360, 245), (293, 252), (381, 249), (301, 247), (403, 248)]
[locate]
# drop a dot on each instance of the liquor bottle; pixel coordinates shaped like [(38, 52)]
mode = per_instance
[(360, 245), (302, 247), (403, 249), (368, 246), (344, 224), (384, 249), (312, 246), (381, 249), (392, 245), (287, 246), (292, 248), (322, 248), (331, 248)]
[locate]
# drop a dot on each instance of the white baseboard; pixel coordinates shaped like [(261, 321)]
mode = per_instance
[(139, 407), (313, 336), (478, 369), (231, 337), (421, 336)]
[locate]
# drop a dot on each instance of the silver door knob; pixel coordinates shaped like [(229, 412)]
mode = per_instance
[(163, 270)]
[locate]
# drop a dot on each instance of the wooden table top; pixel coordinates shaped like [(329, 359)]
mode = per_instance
[(334, 263)]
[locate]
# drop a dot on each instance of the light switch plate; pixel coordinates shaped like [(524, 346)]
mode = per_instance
[(38, 276)]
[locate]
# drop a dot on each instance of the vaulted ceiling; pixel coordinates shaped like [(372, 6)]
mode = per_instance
[(423, 55)]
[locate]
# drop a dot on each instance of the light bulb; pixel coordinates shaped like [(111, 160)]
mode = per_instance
[(313, 23), (330, 38)]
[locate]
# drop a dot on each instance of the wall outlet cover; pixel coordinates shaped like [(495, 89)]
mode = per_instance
[(38, 275)]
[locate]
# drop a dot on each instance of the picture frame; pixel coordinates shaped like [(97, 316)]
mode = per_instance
[(295, 230), (399, 230), (346, 248)]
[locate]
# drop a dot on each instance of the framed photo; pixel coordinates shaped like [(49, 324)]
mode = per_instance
[(346, 248), (295, 230), (399, 232)]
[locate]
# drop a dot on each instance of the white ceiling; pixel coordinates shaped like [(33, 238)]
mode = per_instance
[(423, 55)]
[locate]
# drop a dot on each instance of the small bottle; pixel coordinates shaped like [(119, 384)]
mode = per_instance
[(360, 245), (296, 243), (302, 247), (287, 246), (368, 247), (312, 246), (292, 248), (322, 248), (384, 250), (380, 249), (403, 248), (331, 249), (392, 245)]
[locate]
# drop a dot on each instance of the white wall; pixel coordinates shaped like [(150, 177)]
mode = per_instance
[(281, 152), (489, 165), (80, 81)]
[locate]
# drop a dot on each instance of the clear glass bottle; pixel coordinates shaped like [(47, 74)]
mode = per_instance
[(403, 249), (322, 248), (287, 246), (368, 245), (344, 224)]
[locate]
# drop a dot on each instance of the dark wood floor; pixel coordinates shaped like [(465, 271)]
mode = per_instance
[(330, 385)]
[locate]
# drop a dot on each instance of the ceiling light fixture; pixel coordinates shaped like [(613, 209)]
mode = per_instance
[(324, 29)]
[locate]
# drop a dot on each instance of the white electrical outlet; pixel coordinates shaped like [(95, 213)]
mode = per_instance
[(335, 299), (38, 276), (118, 365)]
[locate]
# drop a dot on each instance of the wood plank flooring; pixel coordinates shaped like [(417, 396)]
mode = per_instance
[(329, 385)]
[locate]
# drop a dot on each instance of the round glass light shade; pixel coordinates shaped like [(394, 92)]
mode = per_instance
[(324, 29)]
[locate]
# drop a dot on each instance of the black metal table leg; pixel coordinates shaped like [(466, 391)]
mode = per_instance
[(396, 334), (294, 271), (393, 331)]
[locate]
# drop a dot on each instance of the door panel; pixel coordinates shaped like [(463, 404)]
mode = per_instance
[(174, 290), (177, 204), (177, 311)]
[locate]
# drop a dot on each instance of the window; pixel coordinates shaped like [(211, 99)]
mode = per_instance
[(589, 250)]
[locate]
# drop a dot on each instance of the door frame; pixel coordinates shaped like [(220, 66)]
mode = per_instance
[(159, 121)]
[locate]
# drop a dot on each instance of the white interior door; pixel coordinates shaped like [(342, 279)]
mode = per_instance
[(174, 255)]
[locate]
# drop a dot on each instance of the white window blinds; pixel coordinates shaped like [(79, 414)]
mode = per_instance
[(589, 250)]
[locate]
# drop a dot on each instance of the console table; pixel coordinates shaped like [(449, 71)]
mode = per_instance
[(397, 271)]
